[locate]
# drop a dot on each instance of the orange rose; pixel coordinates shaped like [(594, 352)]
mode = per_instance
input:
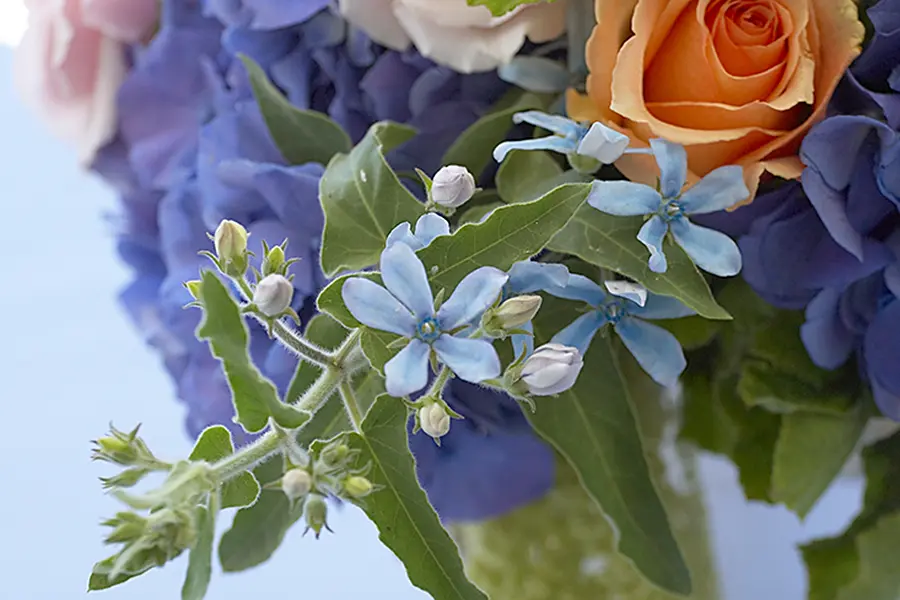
[(735, 81)]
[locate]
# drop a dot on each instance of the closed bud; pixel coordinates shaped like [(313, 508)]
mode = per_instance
[(357, 487), (434, 420), (513, 313), (452, 186), (335, 455), (296, 483), (194, 288), (603, 144), (315, 511), (273, 295), (274, 261), (230, 241), (551, 369)]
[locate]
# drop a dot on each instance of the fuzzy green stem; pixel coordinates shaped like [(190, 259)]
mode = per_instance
[(351, 404), (438, 384)]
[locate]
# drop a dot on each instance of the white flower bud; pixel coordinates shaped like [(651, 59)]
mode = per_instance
[(603, 143), (452, 186), (434, 420), (553, 368), (517, 311), (296, 484), (230, 241), (273, 295)]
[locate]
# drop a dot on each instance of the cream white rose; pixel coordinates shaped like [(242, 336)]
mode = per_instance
[(450, 32)]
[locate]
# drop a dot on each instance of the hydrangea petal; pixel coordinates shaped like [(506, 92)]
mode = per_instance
[(529, 276), (652, 234), (656, 350), (430, 226), (581, 331), (407, 372), (828, 341), (882, 346), (554, 143), (471, 360), (720, 189), (711, 250), (624, 198), (672, 161), (374, 306), (475, 294), (404, 276), (579, 287)]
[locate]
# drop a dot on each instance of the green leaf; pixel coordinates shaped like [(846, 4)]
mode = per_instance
[(708, 418), (754, 452), (474, 147), (303, 136), (258, 530), (593, 425), (375, 345), (255, 397), (512, 233), (331, 302), (214, 444), (501, 7), (526, 174), (810, 452), (609, 242), (363, 201), (407, 524), (199, 570), (879, 577), (99, 579)]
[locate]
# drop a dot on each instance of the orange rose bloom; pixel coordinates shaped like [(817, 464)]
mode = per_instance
[(734, 81)]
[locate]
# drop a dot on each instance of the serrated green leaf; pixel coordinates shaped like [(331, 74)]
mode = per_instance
[(363, 201), (255, 397), (501, 7), (593, 425), (199, 570), (407, 524), (214, 444), (474, 146), (258, 530), (512, 233), (609, 242), (303, 136), (525, 175), (810, 452)]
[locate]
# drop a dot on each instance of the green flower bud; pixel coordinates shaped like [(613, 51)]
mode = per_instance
[(315, 511), (334, 455), (230, 241), (358, 487), (273, 262), (513, 313), (296, 484), (127, 478)]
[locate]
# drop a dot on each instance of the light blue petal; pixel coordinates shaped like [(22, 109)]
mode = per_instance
[(475, 294), (661, 307), (579, 287), (555, 123), (535, 74), (374, 306), (624, 198), (581, 331), (430, 226), (553, 143), (711, 250), (603, 143), (528, 276), (720, 189), (404, 276), (655, 349), (629, 290), (471, 360), (672, 161), (652, 235), (401, 234), (522, 343), (407, 372)]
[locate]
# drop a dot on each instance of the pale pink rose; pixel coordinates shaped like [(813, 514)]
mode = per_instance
[(72, 60), (450, 32)]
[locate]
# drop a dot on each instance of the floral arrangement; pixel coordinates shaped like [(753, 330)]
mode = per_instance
[(428, 257)]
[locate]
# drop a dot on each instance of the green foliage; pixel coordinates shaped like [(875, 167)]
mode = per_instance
[(526, 174), (593, 426), (407, 524), (609, 242), (255, 397), (199, 569), (473, 148), (303, 136), (501, 7), (213, 445), (363, 200)]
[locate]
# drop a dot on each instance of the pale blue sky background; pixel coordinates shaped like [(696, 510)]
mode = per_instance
[(70, 362)]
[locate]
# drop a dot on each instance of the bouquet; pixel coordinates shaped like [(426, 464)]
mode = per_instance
[(460, 262)]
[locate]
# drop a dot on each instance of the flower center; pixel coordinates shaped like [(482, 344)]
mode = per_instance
[(614, 311), (428, 330), (671, 210)]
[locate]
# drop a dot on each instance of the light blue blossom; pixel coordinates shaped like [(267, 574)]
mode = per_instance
[(428, 227), (405, 306), (710, 250), (597, 141), (655, 349)]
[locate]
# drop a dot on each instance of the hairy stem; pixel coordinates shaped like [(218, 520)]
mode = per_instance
[(351, 404)]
